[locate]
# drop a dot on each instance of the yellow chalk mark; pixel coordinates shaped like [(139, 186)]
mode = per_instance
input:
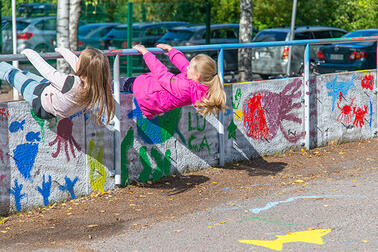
[(311, 236)]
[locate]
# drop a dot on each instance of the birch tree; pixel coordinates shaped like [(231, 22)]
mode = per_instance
[(245, 35), (68, 15)]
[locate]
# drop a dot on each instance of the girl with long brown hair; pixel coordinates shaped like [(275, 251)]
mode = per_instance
[(60, 94)]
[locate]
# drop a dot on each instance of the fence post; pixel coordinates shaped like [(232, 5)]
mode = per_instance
[(376, 94), (307, 95), (117, 124), (220, 115), (129, 37)]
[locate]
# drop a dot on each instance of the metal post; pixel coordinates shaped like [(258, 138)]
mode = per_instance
[(220, 115), (14, 33), (117, 124), (208, 21), (1, 30), (129, 37), (294, 10), (307, 94)]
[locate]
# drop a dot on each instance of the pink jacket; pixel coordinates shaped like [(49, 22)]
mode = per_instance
[(160, 91)]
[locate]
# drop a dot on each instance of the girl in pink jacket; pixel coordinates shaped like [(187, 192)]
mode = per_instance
[(160, 91)]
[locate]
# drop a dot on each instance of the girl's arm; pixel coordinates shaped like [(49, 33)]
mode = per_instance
[(56, 78), (69, 56), (177, 58), (158, 70)]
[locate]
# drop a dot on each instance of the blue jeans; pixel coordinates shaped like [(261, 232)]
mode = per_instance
[(23, 81)]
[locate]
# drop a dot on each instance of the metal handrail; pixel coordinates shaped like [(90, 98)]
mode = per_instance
[(212, 47)]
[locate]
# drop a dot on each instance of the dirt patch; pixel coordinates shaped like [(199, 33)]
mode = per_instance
[(138, 206)]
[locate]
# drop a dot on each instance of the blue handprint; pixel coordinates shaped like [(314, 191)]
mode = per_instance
[(69, 186), (45, 190), (25, 154), (16, 191)]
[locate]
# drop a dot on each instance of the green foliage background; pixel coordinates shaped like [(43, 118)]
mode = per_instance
[(347, 14)]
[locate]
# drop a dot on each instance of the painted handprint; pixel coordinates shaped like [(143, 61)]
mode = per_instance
[(265, 112)]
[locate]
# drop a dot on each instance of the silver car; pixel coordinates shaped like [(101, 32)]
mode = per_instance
[(272, 61), (38, 34)]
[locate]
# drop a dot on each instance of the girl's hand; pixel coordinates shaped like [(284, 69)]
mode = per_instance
[(141, 49), (164, 47)]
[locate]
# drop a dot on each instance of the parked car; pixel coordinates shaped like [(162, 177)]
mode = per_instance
[(196, 35), (36, 9), (272, 61), (38, 34), (143, 33), (92, 34), (353, 56)]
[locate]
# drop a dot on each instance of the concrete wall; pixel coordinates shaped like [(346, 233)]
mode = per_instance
[(42, 161)]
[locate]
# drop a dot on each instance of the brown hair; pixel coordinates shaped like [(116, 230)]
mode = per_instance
[(95, 93), (216, 96)]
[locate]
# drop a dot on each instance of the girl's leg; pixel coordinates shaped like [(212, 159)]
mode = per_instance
[(24, 84)]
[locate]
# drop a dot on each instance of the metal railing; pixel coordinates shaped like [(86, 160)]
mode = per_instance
[(220, 48)]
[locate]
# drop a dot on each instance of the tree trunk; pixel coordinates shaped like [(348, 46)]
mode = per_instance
[(75, 10), (62, 31), (245, 35)]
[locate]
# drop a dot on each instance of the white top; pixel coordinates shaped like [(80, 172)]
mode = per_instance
[(58, 98)]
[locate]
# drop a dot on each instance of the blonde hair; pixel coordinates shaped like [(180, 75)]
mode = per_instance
[(215, 101), (96, 93)]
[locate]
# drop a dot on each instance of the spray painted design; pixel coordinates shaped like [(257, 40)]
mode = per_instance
[(368, 82), (64, 136), (24, 155), (204, 143), (371, 113), (16, 191), (16, 126), (254, 118), (160, 128), (69, 186), (265, 112), (231, 129), (4, 114), (311, 236), (359, 116), (336, 88), (126, 144), (162, 165), (45, 190), (345, 114), (97, 172), (41, 122), (236, 98)]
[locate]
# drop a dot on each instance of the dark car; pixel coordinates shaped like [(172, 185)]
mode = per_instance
[(36, 9), (273, 61), (92, 34), (196, 35), (353, 56), (143, 33)]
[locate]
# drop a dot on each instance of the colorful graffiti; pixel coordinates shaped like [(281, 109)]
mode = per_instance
[(204, 143), (97, 171), (64, 137), (359, 116), (69, 186), (24, 155), (4, 114), (265, 112), (336, 88), (368, 82), (160, 128), (231, 129), (16, 191), (310, 236), (45, 190), (162, 165), (127, 143), (345, 114), (236, 98)]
